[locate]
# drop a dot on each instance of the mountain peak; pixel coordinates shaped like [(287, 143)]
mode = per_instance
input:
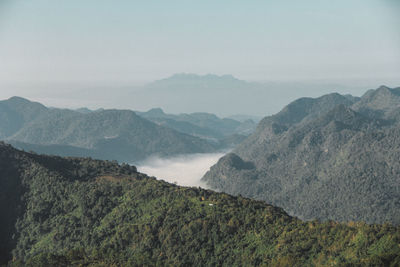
[(155, 112), (383, 98), (233, 160), (383, 90), (18, 99), (307, 108), (383, 87)]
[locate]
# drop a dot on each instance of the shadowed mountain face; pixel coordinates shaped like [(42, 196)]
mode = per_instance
[(332, 157), (83, 212), (106, 134)]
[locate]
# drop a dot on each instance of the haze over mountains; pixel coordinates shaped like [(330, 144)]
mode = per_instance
[(329, 158), (223, 95), (201, 124), (334, 157), (226, 95), (115, 134), (200, 133)]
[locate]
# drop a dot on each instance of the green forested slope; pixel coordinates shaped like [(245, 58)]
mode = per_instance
[(325, 158), (106, 134), (70, 211), (17, 112)]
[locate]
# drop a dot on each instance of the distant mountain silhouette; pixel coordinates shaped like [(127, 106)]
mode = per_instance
[(192, 92), (225, 95), (193, 81)]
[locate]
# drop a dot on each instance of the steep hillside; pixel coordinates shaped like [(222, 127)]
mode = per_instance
[(74, 212), (379, 102), (105, 134), (318, 158), (17, 112), (299, 111), (118, 134)]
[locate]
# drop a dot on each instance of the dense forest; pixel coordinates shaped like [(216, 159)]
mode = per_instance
[(83, 212), (115, 134), (335, 157)]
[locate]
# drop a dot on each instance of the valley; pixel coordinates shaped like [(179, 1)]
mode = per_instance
[(329, 162), (75, 211), (183, 170), (199, 133)]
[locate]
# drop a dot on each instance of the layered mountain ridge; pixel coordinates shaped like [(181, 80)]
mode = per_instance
[(201, 124), (112, 134), (107, 134), (332, 157), (83, 212)]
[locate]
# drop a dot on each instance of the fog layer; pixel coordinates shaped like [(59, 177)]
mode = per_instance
[(185, 170)]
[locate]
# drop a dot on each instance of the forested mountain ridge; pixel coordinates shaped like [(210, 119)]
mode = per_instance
[(105, 134), (120, 133), (16, 112), (200, 124), (333, 157), (382, 100), (74, 211)]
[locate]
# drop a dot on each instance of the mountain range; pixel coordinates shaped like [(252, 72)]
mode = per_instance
[(114, 134), (83, 212), (330, 158), (225, 95), (201, 124)]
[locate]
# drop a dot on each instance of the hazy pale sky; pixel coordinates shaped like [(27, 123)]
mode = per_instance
[(100, 41)]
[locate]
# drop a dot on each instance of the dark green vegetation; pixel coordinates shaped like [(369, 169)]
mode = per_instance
[(70, 211), (106, 134), (334, 157)]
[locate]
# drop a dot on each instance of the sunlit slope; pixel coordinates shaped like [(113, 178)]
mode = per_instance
[(96, 213), (333, 157)]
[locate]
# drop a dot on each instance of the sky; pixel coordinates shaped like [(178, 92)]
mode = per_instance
[(52, 45)]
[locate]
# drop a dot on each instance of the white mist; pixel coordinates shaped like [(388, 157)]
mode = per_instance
[(185, 170)]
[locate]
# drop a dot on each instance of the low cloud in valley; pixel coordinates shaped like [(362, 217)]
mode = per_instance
[(185, 170)]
